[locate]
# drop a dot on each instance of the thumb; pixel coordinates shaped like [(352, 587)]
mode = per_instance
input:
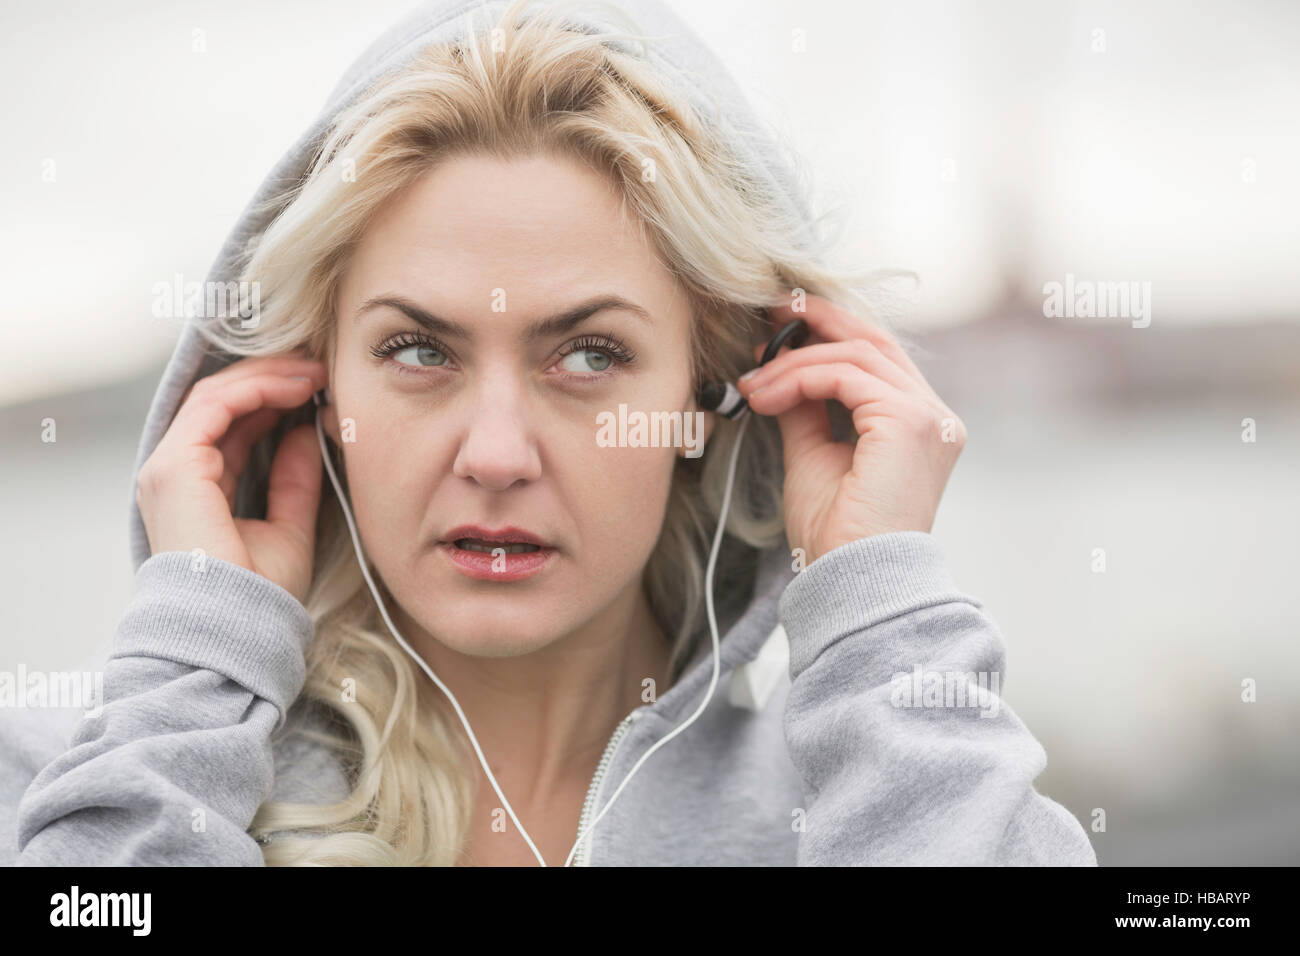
[(293, 496)]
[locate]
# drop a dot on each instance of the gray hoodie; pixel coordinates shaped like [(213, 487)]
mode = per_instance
[(858, 717)]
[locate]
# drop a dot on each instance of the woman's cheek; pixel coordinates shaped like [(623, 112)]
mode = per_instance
[(379, 468), (638, 485)]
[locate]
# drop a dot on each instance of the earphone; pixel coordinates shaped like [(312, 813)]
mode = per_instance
[(725, 399), (722, 398)]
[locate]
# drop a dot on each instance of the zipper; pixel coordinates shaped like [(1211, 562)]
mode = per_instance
[(597, 784)]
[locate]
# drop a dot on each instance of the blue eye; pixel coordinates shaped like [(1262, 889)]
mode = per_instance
[(602, 359), (595, 355), (421, 352), (424, 355)]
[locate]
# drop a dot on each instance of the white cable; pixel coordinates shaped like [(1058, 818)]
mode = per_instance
[(713, 625), (356, 543), (713, 628)]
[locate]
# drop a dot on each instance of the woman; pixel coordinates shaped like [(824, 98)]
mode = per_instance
[(499, 234)]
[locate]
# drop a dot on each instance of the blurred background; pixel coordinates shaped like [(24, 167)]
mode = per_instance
[(993, 149)]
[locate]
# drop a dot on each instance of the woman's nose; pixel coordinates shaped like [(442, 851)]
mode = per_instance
[(498, 445)]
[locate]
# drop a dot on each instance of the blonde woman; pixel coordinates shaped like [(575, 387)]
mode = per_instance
[(512, 227)]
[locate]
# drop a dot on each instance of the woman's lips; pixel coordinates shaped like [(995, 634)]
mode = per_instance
[(504, 536), (498, 565)]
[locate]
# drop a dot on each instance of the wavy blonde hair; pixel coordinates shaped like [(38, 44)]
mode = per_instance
[(533, 85)]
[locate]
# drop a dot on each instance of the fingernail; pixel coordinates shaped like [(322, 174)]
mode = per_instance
[(748, 375)]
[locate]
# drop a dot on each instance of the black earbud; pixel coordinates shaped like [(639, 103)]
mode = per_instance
[(724, 398), (321, 397), (721, 397)]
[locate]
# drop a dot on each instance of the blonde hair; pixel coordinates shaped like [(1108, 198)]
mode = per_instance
[(541, 88)]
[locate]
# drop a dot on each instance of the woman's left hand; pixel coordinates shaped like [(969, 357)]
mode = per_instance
[(892, 477)]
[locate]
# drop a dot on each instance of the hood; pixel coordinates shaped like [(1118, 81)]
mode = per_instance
[(673, 48)]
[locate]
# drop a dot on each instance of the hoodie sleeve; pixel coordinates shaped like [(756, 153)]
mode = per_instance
[(205, 664), (895, 720)]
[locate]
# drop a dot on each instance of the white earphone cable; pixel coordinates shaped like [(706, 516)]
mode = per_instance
[(713, 626)]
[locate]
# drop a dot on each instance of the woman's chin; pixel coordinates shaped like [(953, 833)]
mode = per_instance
[(493, 642), (480, 625)]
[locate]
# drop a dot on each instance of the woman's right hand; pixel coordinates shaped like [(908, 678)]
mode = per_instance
[(186, 488)]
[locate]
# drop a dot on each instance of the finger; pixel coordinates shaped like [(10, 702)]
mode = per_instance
[(238, 443), (761, 347), (861, 393), (289, 363), (860, 352), (208, 415), (836, 323), (804, 427), (293, 497)]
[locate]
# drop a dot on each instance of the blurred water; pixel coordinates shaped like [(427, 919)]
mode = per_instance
[(1131, 441)]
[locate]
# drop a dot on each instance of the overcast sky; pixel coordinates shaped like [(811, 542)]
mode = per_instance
[(977, 144)]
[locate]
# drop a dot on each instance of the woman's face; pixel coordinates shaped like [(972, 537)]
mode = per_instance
[(491, 418)]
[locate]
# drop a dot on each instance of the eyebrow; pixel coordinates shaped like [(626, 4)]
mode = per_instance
[(552, 325)]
